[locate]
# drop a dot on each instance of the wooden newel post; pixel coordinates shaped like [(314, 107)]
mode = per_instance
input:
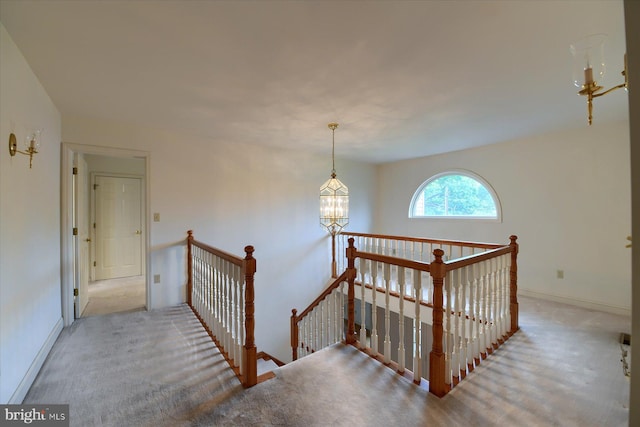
[(294, 334), (250, 354), (334, 267), (437, 384), (351, 295), (189, 269), (513, 284)]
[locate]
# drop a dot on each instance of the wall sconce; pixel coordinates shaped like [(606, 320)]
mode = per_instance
[(32, 144), (588, 61)]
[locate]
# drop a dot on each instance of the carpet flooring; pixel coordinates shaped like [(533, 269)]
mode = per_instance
[(115, 296), (159, 368)]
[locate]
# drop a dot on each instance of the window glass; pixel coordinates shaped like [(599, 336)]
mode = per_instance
[(455, 194)]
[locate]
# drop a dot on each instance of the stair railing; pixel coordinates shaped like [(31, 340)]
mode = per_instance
[(321, 324), (220, 291), (456, 311)]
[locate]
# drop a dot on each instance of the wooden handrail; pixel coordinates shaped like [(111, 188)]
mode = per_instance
[(217, 252), (324, 294), (426, 240), (401, 262), (475, 258)]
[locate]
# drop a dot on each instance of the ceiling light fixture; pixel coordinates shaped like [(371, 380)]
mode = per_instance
[(334, 198), (588, 62)]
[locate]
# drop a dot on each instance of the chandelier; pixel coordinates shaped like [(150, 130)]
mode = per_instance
[(334, 197)]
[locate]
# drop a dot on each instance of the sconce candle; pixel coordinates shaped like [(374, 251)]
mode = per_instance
[(588, 58)]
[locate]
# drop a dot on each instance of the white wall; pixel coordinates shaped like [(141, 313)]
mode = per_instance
[(234, 195), (565, 195), (30, 316)]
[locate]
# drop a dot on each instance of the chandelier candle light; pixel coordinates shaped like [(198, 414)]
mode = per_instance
[(588, 60), (334, 198)]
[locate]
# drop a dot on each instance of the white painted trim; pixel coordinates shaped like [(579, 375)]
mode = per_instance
[(592, 305), (28, 379), (66, 207)]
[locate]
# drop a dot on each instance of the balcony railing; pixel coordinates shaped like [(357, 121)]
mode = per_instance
[(428, 319)]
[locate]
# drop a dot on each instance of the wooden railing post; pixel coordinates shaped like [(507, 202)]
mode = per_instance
[(513, 284), (351, 294), (437, 384), (294, 334), (250, 352), (189, 268), (334, 268)]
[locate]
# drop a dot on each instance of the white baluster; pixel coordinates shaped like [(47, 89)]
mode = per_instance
[(403, 290), (507, 298), (219, 299), (447, 345), (417, 329), (241, 316), (321, 324), (205, 288), (475, 325), (387, 313), (506, 322), (455, 353), (237, 320), (493, 301), (464, 358), (228, 305), (341, 316), (302, 337), (499, 296), (338, 306), (363, 305), (374, 307)]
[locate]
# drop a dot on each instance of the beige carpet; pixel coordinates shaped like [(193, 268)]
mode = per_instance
[(116, 296), (159, 368)]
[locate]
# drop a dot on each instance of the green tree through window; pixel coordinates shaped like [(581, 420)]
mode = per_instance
[(455, 194)]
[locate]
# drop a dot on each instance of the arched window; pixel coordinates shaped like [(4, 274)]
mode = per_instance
[(455, 194)]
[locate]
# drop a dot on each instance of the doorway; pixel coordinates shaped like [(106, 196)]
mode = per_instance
[(95, 227)]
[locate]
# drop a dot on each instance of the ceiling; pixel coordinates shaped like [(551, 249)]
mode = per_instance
[(403, 79)]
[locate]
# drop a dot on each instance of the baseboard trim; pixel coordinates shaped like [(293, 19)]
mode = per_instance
[(577, 302), (32, 372), (267, 357)]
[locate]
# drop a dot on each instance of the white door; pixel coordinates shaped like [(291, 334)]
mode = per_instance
[(82, 223), (118, 227)]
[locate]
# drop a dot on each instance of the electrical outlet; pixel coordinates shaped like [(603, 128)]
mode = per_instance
[(560, 274), (156, 217), (156, 278)]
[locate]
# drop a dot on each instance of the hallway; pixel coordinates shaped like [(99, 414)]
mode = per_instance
[(159, 368), (125, 294)]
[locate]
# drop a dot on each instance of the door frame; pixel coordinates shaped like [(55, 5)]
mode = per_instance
[(68, 258)]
